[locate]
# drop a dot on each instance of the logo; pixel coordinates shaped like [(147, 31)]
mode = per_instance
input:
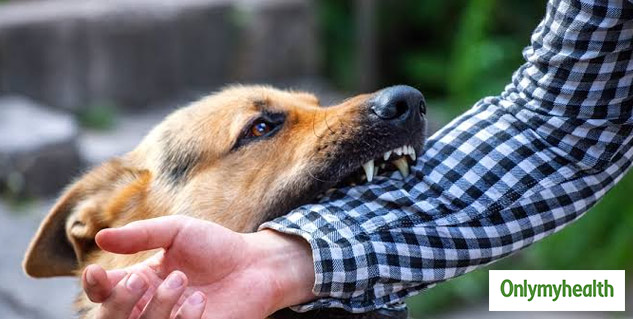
[(556, 290)]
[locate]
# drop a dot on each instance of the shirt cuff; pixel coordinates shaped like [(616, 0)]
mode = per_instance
[(329, 260)]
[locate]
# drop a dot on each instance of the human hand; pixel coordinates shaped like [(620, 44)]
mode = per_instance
[(230, 274)]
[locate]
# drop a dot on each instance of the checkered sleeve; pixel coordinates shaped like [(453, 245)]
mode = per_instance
[(510, 171)]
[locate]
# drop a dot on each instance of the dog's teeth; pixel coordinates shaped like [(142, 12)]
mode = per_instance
[(387, 154), (402, 166), (369, 170), (412, 154), (398, 151), (376, 168)]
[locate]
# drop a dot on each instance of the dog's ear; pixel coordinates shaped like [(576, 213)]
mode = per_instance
[(66, 236)]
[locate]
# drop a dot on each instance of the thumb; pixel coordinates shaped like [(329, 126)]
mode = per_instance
[(141, 235)]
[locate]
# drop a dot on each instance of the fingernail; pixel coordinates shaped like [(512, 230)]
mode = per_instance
[(135, 283), (90, 278), (175, 281), (196, 299)]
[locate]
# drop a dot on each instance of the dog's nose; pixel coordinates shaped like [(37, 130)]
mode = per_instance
[(398, 104)]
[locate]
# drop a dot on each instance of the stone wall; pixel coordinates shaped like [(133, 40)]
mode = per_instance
[(135, 53)]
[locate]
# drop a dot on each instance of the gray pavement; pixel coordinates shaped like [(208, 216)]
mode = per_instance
[(22, 297)]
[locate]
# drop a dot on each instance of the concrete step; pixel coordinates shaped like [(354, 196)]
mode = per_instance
[(38, 148)]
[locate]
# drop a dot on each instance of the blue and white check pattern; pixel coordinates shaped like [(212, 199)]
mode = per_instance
[(512, 170)]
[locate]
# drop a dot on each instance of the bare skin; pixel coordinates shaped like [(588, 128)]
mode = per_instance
[(203, 271)]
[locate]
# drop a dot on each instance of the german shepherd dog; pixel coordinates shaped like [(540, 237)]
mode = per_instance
[(239, 158)]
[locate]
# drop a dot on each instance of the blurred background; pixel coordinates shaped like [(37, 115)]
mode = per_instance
[(81, 81)]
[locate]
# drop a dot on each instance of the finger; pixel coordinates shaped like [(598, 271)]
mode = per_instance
[(141, 235), (123, 298), (166, 297), (98, 284), (193, 307), (114, 276)]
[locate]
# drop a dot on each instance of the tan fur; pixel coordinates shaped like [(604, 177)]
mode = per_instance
[(236, 188)]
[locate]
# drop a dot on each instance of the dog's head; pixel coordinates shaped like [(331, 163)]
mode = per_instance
[(238, 157)]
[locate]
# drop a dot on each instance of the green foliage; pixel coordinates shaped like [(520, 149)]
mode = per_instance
[(337, 33), (98, 116), (453, 50)]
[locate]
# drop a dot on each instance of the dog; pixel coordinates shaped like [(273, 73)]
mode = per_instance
[(239, 157)]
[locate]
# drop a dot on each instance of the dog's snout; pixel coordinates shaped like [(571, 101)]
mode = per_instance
[(398, 104)]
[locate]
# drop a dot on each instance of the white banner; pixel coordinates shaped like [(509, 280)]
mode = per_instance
[(556, 290)]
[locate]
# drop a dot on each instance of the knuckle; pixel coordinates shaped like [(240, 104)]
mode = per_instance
[(163, 298)]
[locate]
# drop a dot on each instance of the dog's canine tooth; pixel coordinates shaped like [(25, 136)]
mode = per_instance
[(386, 156), (369, 170), (412, 154), (402, 166)]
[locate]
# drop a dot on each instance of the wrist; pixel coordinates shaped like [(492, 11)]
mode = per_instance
[(286, 260)]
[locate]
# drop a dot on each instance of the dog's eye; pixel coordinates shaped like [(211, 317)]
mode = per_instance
[(260, 128), (266, 126)]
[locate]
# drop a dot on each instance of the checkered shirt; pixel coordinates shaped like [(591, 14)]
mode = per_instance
[(512, 170)]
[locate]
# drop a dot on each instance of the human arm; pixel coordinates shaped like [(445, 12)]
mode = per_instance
[(507, 173)]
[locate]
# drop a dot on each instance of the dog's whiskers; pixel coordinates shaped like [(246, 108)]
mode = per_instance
[(313, 125), (320, 180), (327, 124)]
